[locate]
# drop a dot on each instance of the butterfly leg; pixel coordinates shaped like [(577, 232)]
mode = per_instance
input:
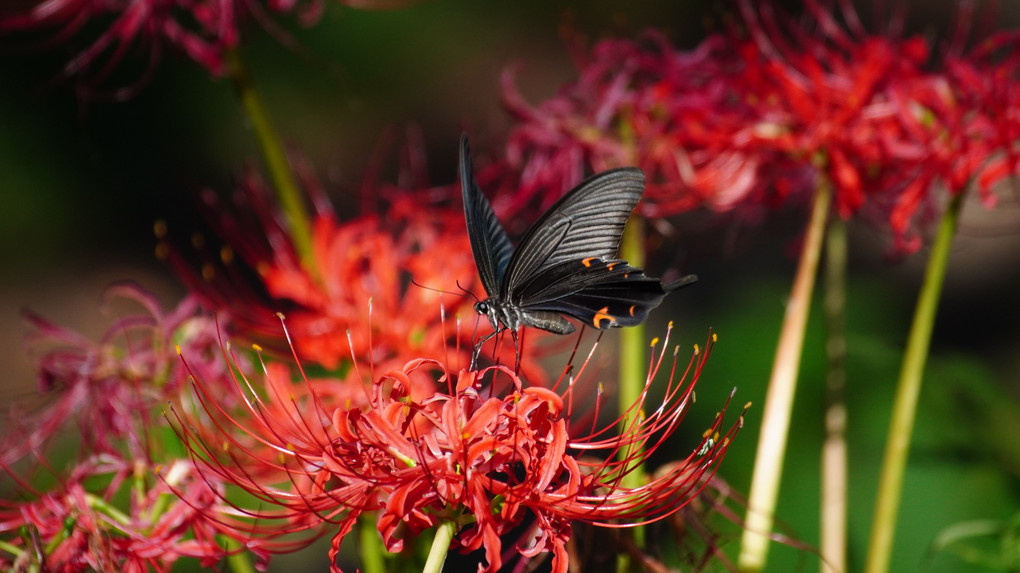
[(518, 343), (478, 347)]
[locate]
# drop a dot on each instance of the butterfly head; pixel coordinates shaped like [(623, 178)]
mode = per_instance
[(499, 314)]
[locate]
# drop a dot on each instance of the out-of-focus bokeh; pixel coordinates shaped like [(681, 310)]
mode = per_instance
[(83, 182)]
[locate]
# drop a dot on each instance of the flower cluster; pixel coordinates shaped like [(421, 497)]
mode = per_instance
[(486, 461), (764, 114), (76, 526), (74, 518), (109, 387)]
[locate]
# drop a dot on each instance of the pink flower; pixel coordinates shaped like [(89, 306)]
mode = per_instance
[(110, 387), (487, 454), (84, 523)]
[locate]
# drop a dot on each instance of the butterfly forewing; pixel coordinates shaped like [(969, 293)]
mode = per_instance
[(587, 222), (489, 242)]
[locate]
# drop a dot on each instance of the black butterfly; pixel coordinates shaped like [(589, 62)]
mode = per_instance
[(566, 263)]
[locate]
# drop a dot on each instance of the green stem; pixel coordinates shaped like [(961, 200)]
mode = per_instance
[(834, 450), (632, 373), (632, 344), (99, 504), (288, 191), (897, 447), (239, 561), (440, 546), (371, 547), (12, 549), (775, 425)]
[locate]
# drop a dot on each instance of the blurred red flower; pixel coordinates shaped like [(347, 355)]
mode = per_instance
[(761, 116)]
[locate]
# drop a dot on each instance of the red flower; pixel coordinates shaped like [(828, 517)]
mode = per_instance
[(679, 116), (751, 122), (361, 304), (466, 455)]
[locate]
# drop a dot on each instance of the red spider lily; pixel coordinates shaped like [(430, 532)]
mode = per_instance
[(745, 122), (110, 387), (204, 30), (82, 523), (891, 125), (488, 464), (679, 116), (362, 261)]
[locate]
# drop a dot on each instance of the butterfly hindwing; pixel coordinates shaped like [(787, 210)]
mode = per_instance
[(600, 294), (489, 242), (586, 222)]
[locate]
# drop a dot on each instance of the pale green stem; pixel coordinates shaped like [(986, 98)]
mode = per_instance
[(632, 373), (239, 561), (440, 546), (834, 450), (288, 190), (894, 463), (12, 549), (100, 504), (632, 344), (775, 425), (370, 547)]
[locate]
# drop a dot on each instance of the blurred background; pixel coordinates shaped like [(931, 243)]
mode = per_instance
[(82, 184)]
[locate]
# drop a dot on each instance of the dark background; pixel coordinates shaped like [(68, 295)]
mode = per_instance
[(81, 184)]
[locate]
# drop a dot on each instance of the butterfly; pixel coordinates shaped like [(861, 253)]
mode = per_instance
[(565, 265)]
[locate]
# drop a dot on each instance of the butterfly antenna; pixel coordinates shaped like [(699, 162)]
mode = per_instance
[(439, 290), (467, 292)]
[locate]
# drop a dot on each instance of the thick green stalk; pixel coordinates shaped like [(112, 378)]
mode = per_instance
[(775, 425), (440, 546), (834, 450), (633, 367), (894, 463), (633, 364), (288, 191), (239, 561), (370, 546)]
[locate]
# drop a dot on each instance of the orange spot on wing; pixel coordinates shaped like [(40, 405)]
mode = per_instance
[(587, 262), (611, 265), (632, 310), (603, 315)]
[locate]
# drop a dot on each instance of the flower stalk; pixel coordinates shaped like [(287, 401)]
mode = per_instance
[(237, 560), (633, 366), (370, 547), (288, 190), (632, 373), (894, 462), (440, 546), (782, 387), (834, 449)]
